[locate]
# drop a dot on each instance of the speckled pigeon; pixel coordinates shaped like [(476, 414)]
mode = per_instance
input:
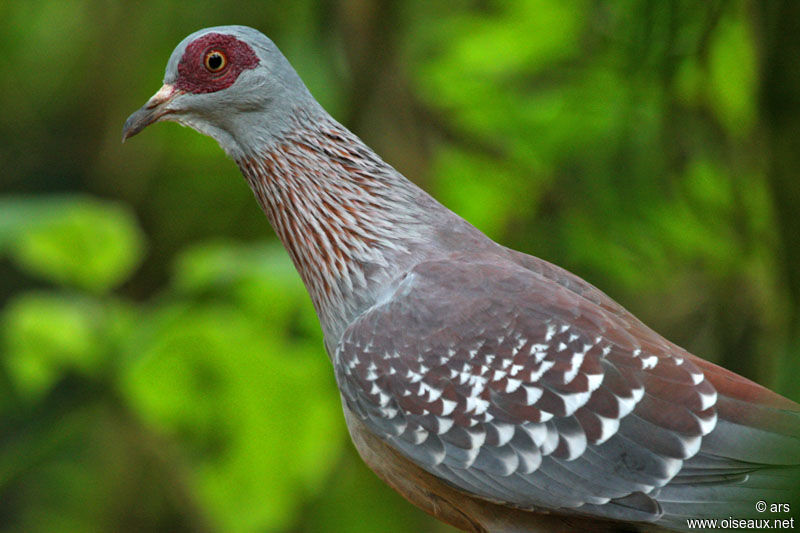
[(492, 389)]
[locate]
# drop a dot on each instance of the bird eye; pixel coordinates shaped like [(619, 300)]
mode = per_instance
[(215, 61)]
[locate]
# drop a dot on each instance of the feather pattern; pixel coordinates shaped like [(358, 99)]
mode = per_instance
[(339, 210), (480, 382), (548, 402), (497, 372)]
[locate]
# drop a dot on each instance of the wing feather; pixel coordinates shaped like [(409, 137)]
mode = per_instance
[(523, 385)]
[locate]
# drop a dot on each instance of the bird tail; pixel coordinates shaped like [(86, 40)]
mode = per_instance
[(748, 467)]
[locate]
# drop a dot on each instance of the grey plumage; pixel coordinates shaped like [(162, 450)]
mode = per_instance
[(491, 371)]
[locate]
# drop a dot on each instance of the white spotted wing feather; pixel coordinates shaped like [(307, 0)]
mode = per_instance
[(510, 387)]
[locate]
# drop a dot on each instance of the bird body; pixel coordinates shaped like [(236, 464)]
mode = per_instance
[(492, 389)]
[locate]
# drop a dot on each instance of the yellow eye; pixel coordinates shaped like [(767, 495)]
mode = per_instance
[(215, 61)]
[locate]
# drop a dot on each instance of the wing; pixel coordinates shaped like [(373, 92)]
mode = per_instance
[(516, 388)]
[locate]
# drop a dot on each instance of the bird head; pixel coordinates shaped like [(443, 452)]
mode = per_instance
[(230, 83)]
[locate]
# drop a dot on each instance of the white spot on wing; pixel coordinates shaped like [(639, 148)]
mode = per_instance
[(626, 405), (413, 377), (691, 445), (448, 406), (707, 400), (383, 399), (637, 394), (573, 401), (707, 425), (417, 435), (608, 427), (476, 438), (444, 424), (576, 444), (477, 383), (389, 412), (432, 392), (575, 364), (532, 394), (649, 362), (543, 367), (477, 405), (594, 380), (550, 442), (537, 432), (513, 384), (539, 351), (505, 433)]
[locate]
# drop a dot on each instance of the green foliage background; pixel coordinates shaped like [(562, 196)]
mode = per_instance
[(161, 367)]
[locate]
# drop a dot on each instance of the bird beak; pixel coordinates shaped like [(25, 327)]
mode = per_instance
[(154, 110)]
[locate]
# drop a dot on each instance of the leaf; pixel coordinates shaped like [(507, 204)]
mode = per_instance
[(73, 241), (19, 215), (463, 176), (255, 411), (48, 334), (260, 277), (734, 76)]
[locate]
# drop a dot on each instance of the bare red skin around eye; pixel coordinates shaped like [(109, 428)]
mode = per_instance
[(192, 74)]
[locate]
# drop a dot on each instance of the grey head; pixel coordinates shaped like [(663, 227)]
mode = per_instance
[(230, 83)]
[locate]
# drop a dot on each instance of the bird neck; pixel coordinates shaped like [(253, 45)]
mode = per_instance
[(350, 222)]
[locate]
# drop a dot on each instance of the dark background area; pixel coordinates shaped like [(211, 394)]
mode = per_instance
[(161, 367)]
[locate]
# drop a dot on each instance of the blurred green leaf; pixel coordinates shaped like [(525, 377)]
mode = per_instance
[(734, 75), (256, 277), (74, 241), (43, 453), (463, 178), (48, 334), (257, 412), (19, 215)]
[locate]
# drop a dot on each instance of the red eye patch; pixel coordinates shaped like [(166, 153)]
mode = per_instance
[(193, 76)]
